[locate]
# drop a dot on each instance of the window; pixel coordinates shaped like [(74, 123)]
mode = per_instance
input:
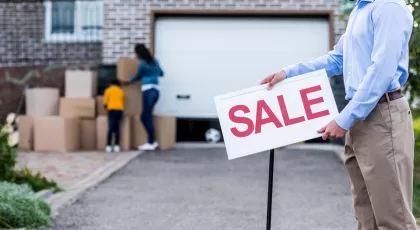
[(74, 21)]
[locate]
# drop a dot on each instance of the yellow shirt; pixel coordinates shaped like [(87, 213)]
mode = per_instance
[(114, 98)]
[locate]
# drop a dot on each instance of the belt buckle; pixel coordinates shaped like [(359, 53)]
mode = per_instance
[(387, 97)]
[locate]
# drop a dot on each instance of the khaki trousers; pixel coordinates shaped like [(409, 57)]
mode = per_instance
[(379, 156)]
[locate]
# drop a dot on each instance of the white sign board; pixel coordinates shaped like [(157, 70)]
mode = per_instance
[(256, 119)]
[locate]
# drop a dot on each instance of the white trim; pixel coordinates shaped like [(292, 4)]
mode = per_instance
[(78, 36)]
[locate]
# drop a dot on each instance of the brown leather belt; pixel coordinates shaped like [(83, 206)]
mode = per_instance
[(393, 95)]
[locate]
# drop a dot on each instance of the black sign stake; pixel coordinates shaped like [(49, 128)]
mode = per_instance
[(270, 189)]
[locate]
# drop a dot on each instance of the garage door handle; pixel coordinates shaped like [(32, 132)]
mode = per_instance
[(183, 96)]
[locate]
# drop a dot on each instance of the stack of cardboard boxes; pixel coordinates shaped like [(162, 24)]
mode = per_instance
[(79, 103), (78, 120)]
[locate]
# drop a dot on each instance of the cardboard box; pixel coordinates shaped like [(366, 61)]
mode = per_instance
[(26, 132), (138, 133), (56, 134), (127, 68), (133, 99), (88, 134), (80, 83), (165, 132), (100, 106), (77, 107), (102, 132), (42, 101)]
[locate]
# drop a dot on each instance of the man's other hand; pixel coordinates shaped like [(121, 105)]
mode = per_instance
[(273, 79), (332, 130)]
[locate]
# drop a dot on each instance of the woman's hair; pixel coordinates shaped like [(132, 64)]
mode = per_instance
[(115, 82), (144, 54)]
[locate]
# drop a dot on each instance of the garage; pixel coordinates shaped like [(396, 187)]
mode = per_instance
[(206, 55)]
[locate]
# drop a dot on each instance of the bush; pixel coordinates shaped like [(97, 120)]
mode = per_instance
[(416, 197), (21, 208), (36, 181), (8, 153), (3, 223), (416, 127)]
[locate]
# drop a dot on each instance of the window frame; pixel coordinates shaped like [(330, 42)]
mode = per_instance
[(77, 36)]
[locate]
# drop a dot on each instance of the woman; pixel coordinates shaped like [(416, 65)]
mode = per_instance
[(148, 73)]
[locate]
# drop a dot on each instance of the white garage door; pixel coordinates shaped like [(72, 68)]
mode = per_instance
[(204, 57)]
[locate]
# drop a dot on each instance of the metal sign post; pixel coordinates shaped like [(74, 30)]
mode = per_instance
[(270, 189)]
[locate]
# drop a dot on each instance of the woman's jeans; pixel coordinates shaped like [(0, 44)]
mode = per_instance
[(150, 97), (114, 121)]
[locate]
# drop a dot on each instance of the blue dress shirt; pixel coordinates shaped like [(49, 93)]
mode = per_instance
[(372, 55)]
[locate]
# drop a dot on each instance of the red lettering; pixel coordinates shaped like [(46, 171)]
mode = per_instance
[(242, 120), (259, 121), (287, 120), (307, 103)]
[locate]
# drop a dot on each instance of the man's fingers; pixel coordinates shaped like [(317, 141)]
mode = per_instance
[(322, 130), (272, 83), (267, 79), (264, 81), (325, 136)]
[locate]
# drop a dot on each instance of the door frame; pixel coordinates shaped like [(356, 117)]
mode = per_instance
[(154, 14)]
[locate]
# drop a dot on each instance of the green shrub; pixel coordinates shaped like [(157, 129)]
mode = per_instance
[(21, 208), (36, 181), (416, 197), (3, 223), (8, 155), (416, 127)]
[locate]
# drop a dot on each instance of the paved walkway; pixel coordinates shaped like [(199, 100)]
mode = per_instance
[(67, 169), (202, 190)]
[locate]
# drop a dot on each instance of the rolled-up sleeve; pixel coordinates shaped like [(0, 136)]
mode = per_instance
[(390, 24), (331, 62), (139, 73)]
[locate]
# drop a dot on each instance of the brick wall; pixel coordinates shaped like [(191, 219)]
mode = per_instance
[(127, 22), (13, 81), (22, 34)]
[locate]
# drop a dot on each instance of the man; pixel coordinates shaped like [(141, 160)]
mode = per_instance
[(373, 56)]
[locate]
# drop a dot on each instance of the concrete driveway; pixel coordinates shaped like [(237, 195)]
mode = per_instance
[(199, 189)]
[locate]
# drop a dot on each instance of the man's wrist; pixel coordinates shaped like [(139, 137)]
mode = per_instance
[(287, 71), (343, 121)]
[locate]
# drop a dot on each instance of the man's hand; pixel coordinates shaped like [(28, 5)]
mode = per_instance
[(332, 130), (273, 79)]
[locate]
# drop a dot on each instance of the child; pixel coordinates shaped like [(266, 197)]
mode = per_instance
[(114, 103)]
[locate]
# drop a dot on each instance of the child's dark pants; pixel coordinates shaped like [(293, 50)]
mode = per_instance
[(114, 124)]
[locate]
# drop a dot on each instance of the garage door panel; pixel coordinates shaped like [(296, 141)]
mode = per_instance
[(204, 57), (201, 101), (210, 66)]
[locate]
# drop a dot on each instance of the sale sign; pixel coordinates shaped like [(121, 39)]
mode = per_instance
[(256, 119)]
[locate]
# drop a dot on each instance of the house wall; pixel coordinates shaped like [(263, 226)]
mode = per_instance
[(128, 22), (22, 33), (25, 59)]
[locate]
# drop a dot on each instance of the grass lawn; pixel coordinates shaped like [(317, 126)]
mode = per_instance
[(416, 188)]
